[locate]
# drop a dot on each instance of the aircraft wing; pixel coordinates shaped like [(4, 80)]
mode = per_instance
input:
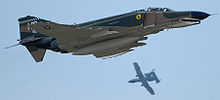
[(114, 52), (147, 86), (142, 79), (111, 53), (86, 30), (62, 31), (138, 71)]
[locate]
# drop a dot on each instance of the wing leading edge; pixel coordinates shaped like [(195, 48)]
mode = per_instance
[(142, 78), (147, 86), (138, 71)]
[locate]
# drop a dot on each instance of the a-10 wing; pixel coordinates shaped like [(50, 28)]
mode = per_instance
[(142, 79), (147, 86), (138, 71)]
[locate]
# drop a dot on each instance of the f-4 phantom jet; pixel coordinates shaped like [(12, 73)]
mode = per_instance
[(145, 78), (103, 38)]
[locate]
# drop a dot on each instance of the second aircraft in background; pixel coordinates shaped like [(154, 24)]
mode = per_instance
[(145, 78)]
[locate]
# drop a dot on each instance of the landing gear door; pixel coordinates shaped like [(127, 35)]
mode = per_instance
[(150, 19)]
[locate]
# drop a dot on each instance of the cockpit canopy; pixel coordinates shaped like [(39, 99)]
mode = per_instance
[(159, 10)]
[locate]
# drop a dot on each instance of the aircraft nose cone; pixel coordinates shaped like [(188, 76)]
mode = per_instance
[(199, 15)]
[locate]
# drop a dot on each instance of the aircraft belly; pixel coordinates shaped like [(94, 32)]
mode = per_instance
[(136, 31), (109, 44), (72, 45), (181, 24)]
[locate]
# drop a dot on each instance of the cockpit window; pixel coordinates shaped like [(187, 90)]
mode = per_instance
[(159, 10), (167, 10)]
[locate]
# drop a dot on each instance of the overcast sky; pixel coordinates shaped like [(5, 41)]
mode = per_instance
[(187, 59)]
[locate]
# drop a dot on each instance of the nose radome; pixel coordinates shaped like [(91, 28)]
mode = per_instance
[(199, 15)]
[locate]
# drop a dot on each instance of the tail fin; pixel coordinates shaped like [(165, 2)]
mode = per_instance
[(155, 77), (37, 53), (26, 31)]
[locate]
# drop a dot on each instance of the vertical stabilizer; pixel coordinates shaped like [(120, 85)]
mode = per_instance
[(26, 32)]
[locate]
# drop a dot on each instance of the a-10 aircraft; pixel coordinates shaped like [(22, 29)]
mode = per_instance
[(104, 38), (145, 78)]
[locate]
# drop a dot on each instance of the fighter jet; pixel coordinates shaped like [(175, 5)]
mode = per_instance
[(145, 79), (103, 38)]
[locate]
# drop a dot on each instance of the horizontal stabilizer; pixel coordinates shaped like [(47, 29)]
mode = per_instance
[(37, 53)]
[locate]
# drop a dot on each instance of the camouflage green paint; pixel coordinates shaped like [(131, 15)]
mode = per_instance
[(171, 15), (124, 20), (26, 31)]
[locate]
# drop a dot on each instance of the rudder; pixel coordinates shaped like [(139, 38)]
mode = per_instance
[(26, 31)]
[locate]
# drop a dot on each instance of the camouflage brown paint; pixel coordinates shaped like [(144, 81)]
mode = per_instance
[(157, 18)]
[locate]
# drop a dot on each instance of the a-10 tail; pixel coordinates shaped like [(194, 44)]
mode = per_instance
[(152, 76)]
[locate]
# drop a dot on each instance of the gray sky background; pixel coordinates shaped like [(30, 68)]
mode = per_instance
[(186, 59)]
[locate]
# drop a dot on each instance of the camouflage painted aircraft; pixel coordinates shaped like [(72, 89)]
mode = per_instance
[(104, 38)]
